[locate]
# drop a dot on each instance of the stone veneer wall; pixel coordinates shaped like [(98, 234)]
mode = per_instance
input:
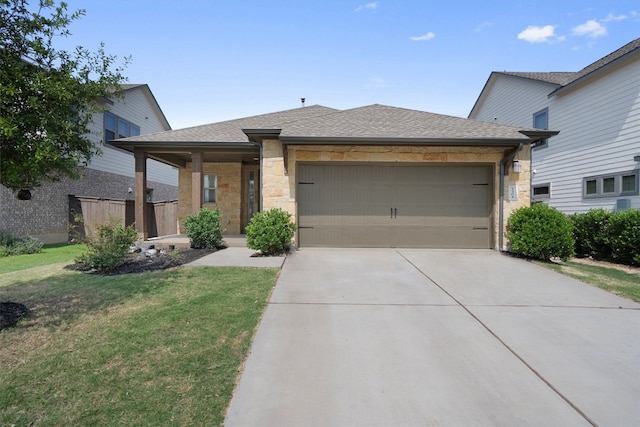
[(278, 190), (46, 215), (229, 194)]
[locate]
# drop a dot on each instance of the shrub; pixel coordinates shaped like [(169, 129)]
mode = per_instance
[(540, 232), (18, 245), (204, 229), (624, 236), (591, 233), (109, 249), (270, 232)]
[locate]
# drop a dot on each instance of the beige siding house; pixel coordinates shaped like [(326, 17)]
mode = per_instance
[(374, 176)]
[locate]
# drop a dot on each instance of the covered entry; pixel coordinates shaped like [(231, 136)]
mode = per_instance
[(395, 205)]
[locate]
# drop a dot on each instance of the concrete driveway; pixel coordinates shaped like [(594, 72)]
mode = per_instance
[(401, 337)]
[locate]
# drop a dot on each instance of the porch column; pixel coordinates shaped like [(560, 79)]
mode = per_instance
[(141, 194), (196, 182)]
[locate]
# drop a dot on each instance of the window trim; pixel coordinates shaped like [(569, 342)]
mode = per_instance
[(214, 188), (545, 142), (617, 177), (116, 131), (541, 197)]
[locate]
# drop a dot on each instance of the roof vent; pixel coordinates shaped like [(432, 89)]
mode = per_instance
[(302, 100)]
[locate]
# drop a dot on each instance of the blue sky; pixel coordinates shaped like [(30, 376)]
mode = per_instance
[(208, 61)]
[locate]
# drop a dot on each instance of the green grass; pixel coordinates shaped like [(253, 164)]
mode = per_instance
[(614, 280), (160, 348), (50, 254)]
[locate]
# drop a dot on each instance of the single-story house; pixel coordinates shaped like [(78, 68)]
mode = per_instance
[(374, 176)]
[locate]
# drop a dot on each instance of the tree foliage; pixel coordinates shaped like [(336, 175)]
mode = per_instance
[(47, 95)]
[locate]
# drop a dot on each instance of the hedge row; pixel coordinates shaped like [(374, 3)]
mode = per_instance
[(613, 236), (542, 232)]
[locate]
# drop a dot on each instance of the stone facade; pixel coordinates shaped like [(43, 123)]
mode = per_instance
[(46, 215), (228, 194), (278, 189)]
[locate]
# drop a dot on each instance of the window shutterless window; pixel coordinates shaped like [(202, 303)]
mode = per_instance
[(116, 127), (541, 121), (541, 192), (209, 185), (612, 185)]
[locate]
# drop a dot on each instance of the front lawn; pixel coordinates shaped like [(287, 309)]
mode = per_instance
[(157, 348), (620, 280)]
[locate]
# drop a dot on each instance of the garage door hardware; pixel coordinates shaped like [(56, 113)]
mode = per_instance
[(482, 184), (394, 213), (307, 183)]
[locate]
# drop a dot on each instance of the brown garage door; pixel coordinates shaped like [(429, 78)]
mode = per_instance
[(391, 205)]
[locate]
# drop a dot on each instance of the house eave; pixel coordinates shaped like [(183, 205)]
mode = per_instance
[(495, 142)]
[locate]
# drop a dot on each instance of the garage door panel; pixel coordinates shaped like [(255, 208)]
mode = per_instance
[(367, 205)]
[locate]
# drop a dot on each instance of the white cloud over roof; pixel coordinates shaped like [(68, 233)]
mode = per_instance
[(368, 6), (536, 34), (591, 28), (428, 36)]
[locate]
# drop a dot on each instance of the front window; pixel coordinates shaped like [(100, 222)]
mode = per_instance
[(210, 183), (541, 121), (116, 127)]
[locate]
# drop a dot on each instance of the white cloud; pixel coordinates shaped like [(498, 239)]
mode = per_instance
[(591, 28), (428, 36), (368, 6), (611, 17), (535, 34)]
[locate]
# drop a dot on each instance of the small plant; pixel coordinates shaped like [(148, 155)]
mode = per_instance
[(109, 249), (270, 232), (204, 229), (540, 232), (18, 245)]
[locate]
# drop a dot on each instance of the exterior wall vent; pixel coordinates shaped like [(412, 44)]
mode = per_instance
[(623, 204)]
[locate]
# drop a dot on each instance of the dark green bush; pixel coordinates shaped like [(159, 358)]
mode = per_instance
[(624, 236), (204, 229), (270, 232), (540, 232), (18, 245), (109, 249), (591, 233)]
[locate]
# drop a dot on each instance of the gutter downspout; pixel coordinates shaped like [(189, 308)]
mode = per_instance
[(259, 145), (504, 168)]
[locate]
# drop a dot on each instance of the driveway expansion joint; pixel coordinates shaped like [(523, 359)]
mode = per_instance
[(505, 345)]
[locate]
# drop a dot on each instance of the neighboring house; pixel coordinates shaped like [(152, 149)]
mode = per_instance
[(595, 160), (374, 176), (110, 175)]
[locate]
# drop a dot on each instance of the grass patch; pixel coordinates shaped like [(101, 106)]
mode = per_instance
[(50, 254), (158, 348), (621, 283)]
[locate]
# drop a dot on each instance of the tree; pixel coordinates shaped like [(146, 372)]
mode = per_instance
[(47, 95)]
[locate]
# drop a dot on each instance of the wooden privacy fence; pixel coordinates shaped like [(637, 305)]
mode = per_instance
[(161, 216)]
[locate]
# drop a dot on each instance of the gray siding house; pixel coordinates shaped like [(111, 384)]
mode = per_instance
[(595, 160), (109, 176)]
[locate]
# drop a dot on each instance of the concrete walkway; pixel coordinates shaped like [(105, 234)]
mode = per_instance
[(388, 337), (236, 254)]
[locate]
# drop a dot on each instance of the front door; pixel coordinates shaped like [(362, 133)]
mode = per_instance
[(250, 193)]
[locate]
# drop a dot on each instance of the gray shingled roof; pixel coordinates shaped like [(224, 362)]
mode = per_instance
[(604, 61), (378, 122), (231, 130), (555, 77), (567, 78)]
